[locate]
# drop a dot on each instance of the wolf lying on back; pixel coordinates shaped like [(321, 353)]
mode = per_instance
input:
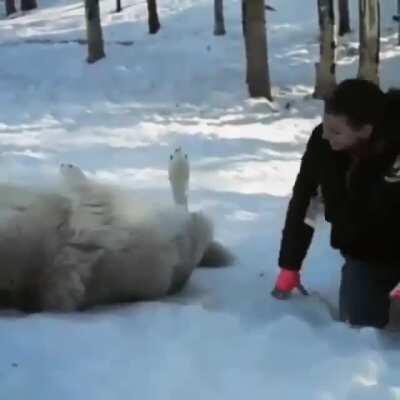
[(95, 245)]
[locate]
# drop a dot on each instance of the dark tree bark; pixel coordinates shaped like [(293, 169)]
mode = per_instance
[(219, 23), (398, 20), (154, 22), (368, 67), (325, 80), (94, 31), (244, 31), (10, 7), (27, 5), (118, 6), (256, 50), (344, 17), (243, 4)]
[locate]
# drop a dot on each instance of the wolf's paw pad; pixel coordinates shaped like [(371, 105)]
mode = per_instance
[(178, 154)]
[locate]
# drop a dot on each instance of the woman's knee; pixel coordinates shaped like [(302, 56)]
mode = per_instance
[(363, 302)]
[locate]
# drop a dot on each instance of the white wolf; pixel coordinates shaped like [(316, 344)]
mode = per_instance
[(95, 244)]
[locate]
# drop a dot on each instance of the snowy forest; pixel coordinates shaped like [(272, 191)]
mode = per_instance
[(114, 91)]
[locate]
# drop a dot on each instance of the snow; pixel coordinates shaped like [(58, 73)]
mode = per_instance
[(224, 336)]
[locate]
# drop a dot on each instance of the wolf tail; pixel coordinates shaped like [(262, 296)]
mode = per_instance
[(216, 255)]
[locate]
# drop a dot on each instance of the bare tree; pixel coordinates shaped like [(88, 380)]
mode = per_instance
[(256, 50), (344, 17), (10, 7), (243, 4), (27, 5), (94, 31), (244, 17), (154, 22), (118, 7), (369, 15), (325, 68), (397, 19), (219, 24), (398, 16)]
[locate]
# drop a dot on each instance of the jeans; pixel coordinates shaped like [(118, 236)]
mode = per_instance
[(364, 292)]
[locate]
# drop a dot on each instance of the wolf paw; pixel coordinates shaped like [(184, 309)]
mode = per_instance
[(73, 176), (178, 174)]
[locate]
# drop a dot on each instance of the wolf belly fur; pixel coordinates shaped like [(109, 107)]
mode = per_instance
[(139, 262), (65, 253)]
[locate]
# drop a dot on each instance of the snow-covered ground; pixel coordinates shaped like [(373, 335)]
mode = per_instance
[(224, 337)]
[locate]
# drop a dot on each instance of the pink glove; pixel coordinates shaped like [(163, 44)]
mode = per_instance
[(395, 293), (287, 281)]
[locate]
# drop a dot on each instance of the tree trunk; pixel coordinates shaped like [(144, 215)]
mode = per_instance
[(10, 7), (256, 50), (325, 68), (118, 6), (244, 31), (398, 16), (219, 24), (154, 22), (368, 67), (27, 5), (344, 17), (244, 17), (94, 32)]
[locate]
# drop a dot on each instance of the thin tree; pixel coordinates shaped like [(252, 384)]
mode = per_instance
[(154, 22), (219, 23), (94, 31), (118, 7), (325, 68), (369, 15), (258, 80), (344, 17), (244, 17), (27, 5), (397, 18), (10, 7)]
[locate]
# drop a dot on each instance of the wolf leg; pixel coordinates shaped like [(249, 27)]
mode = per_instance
[(64, 291), (64, 284), (178, 173)]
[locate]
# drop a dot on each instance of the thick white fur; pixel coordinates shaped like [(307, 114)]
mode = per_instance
[(95, 245)]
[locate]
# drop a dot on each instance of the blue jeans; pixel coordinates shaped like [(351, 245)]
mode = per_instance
[(364, 292)]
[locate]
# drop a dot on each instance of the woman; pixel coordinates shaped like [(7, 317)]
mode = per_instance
[(353, 158)]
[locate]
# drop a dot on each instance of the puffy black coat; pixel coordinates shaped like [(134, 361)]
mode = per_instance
[(361, 199)]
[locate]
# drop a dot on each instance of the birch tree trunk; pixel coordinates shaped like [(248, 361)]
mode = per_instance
[(256, 50), (344, 17), (368, 67), (94, 31), (219, 23), (325, 68), (10, 7), (154, 22)]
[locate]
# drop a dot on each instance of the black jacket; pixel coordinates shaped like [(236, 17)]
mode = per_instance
[(361, 200)]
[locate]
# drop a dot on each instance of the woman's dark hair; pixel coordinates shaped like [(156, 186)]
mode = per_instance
[(361, 101)]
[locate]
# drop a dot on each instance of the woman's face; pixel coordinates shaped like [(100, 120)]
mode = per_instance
[(340, 135)]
